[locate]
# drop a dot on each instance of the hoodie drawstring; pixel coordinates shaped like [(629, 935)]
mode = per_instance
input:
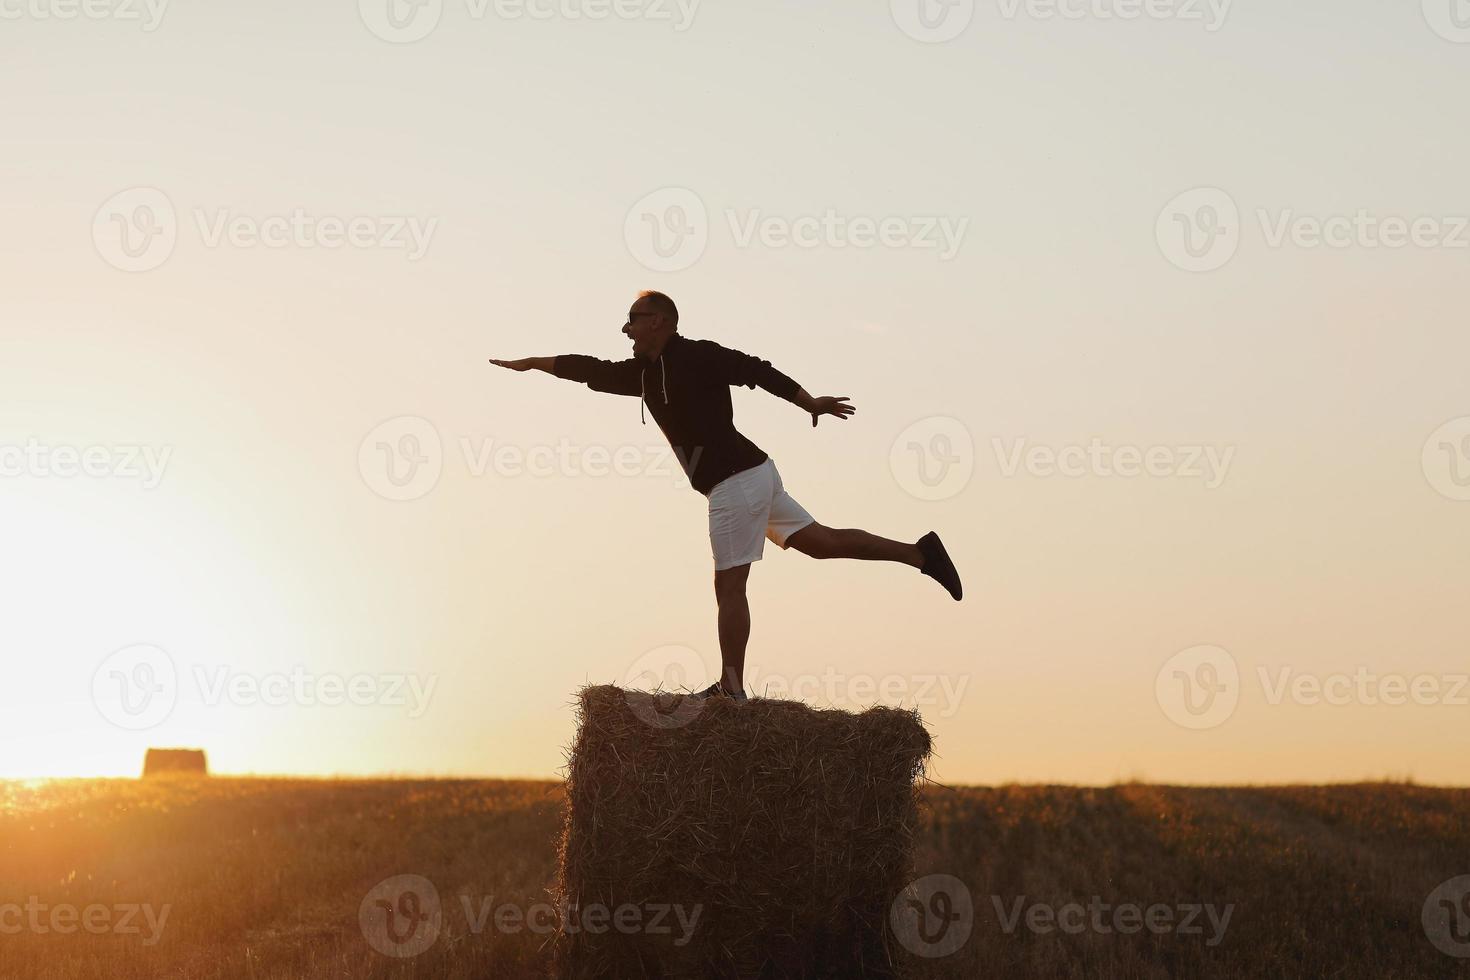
[(643, 391)]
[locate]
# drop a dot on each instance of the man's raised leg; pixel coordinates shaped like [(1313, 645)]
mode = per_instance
[(820, 541), (927, 554)]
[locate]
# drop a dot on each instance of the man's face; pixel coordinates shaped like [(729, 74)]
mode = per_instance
[(643, 327)]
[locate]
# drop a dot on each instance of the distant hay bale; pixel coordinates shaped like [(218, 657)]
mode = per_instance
[(161, 762), (788, 831)]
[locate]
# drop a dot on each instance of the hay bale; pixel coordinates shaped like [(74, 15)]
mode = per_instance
[(160, 762), (787, 830)]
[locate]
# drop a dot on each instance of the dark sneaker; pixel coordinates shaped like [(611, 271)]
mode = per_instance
[(715, 690), (938, 566)]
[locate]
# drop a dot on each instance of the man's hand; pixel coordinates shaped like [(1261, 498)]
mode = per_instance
[(828, 405), (526, 364)]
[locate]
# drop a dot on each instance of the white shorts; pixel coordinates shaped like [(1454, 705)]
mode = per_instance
[(748, 507)]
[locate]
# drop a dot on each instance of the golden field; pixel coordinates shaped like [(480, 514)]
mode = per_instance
[(265, 878)]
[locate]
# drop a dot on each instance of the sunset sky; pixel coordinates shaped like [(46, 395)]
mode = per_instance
[(1224, 250)]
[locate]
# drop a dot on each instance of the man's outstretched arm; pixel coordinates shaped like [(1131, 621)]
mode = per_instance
[(547, 364), (740, 368), (617, 377)]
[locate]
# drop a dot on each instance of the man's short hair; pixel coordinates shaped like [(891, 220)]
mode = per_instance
[(661, 304)]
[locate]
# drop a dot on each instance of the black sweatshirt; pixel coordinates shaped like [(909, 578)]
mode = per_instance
[(688, 391)]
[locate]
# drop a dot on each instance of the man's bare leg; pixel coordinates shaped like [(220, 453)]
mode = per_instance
[(734, 623), (820, 541)]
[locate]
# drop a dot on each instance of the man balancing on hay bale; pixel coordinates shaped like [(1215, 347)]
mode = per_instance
[(686, 384)]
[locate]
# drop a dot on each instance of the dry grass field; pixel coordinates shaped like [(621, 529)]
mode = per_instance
[(266, 878)]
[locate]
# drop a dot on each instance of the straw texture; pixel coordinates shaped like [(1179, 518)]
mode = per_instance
[(787, 830)]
